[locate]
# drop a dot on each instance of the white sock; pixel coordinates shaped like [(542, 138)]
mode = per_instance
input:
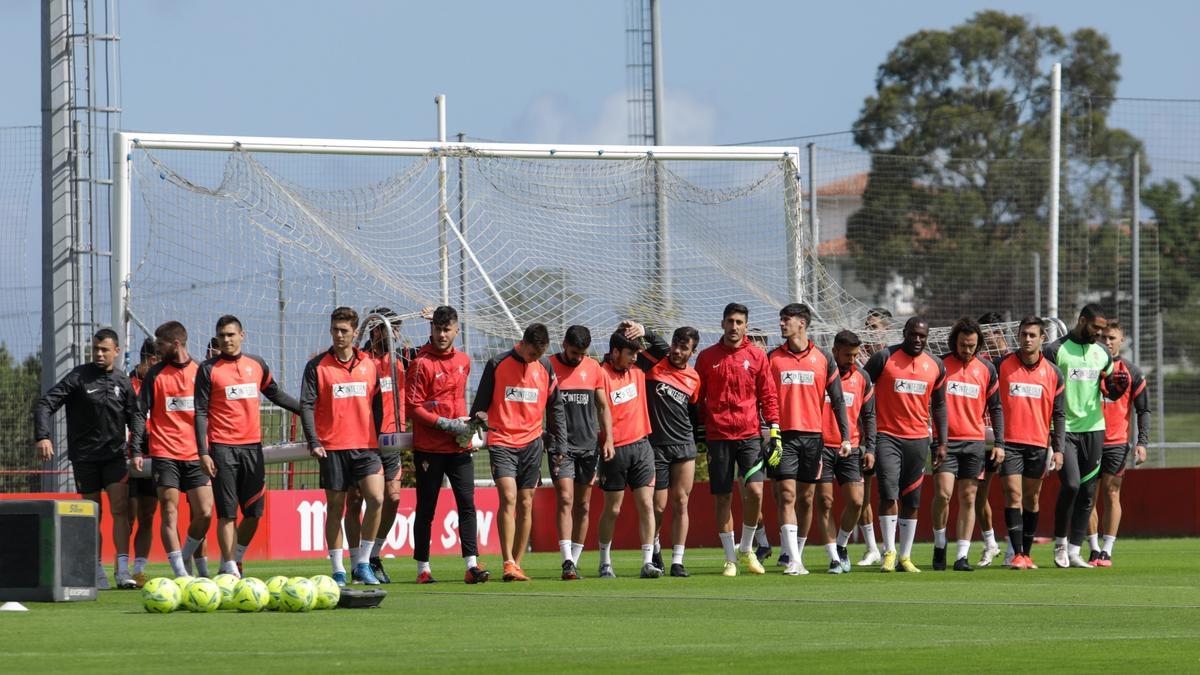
[(1060, 541), (887, 526), (201, 566), (747, 541), (1094, 541), (239, 552), (657, 545), (190, 546), (176, 560), (939, 538), (964, 548), (139, 565), (868, 535), (760, 537), (843, 538), (647, 553), (576, 551), (908, 532), (564, 547), (1072, 550), (364, 551), (229, 567), (471, 561), (377, 547), (789, 542), (1109, 540), (605, 553), (123, 563), (831, 551), (989, 539), (677, 554), (727, 544), (800, 550), (335, 559), (423, 566)]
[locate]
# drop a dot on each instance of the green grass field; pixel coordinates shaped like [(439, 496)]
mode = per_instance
[(1143, 613)]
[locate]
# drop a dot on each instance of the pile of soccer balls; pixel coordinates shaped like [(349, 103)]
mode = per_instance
[(225, 591)]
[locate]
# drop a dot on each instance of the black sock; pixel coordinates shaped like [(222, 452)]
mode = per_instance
[(1012, 521), (1030, 522)]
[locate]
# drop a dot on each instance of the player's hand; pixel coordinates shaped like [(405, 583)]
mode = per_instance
[(1056, 461), (868, 461), (317, 451), (427, 312), (774, 446), (139, 463), (845, 450), (45, 449), (209, 467), (1139, 455), (480, 418), (607, 451), (939, 455), (997, 455), (633, 330), (456, 427)]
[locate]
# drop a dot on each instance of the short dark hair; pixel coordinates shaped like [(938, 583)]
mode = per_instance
[(148, 349), (106, 334), (228, 319), (444, 316), (991, 317), (846, 338), (578, 337), (1032, 320), (735, 308), (914, 321), (880, 312), (798, 310), (964, 325), (1091, 311), (686, 333), (344, 314), (536, 335), (172, 331), (618, 340)]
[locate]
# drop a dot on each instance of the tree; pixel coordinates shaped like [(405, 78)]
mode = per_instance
[(20, 385), (1177, 218), (953, 201)]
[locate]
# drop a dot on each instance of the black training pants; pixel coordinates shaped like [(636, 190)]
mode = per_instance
[(459, 469)]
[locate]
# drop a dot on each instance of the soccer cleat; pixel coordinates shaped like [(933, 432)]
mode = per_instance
[(989, 554), (844, 559), (783, 560), (1105, 560), (125, 582), (762, 553), (1079, 562), (362, 574), (889, 562), (961, 565), (426, 577), (101, 578), (1029, 564), (939, 559), (870, 558), (1018, 563), (1093, 557), (649, 571), (657, 560), (906, 565), (339, 578), (678, 570), (1060, 556), (606, 572), (476, 575), (140, 579), (835, 567), (513, 572), (380, 574), (795, 570), (569, 571), (1008, 556), (730, 569), (747, 558)]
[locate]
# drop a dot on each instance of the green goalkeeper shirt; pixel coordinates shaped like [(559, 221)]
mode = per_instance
[(1084, 367)]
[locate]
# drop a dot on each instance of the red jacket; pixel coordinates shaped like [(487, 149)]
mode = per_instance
[(734, 385), (436, 386)]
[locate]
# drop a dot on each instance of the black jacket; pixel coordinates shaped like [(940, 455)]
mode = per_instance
[(100, 406)]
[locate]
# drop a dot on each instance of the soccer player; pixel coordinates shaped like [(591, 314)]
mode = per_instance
[(807, 381), (735, 388), (101, 409), (573, 471), (377, 347), (972, 391), (341, 410), (143, 497), (1031, 396), (168, 401), (1116, 444), (878, 320), (673, 391), (628, 460), (229, 429), (517, 387), (909, 391), (847, 466), (997, 346), (437, 405), (1087, 367)]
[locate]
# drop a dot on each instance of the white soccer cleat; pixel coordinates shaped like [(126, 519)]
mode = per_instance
[(1060, 556), (1076, 561), (795, 569), (125, 581), (989, 554), (730, 570), (870, 558)]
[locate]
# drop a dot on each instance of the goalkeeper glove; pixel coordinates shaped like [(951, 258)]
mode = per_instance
[(456, 427), (774, 446)]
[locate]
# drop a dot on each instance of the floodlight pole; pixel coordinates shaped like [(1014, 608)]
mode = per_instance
[(1055, 168), (443, 211)]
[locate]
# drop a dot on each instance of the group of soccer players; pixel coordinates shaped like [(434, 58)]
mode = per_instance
[(801, 415)]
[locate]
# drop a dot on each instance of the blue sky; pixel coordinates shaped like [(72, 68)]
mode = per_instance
[(541, 70)]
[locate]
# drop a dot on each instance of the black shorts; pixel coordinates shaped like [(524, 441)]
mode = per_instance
[(94, 476), (846, 469), (746, 455), (143, 487), (182, 475), (1028, 461), (1113, 459), (964, 459), (801, 458), (523, 464), (665, 456), (342, 469), (241, 479), (391, 465), (900, 467), (575, 464), (632, 465)]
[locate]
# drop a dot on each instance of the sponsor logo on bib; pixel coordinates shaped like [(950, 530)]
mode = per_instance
[(964, 389), (237, 392), (1023, 390), (521, 394), (180, 404), (385, 384), (624, 394), (796, 377), (1083, 374), (913, 387), (665, 390), (577, 397), (350, 390), (847, 398)]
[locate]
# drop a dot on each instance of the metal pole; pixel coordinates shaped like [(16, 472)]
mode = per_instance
[(1135, 232), (443, 213), (1037, 284), (462, 254), (1055, 168), (662, 257), (813, 224), (1160, 382), (282, 362), (120, 232), (794, 224), (657, 71)]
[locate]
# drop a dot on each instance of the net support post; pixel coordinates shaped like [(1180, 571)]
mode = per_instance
[(443, 210), (1135, 236), (1055, 171), (795, 226), (120, 231)]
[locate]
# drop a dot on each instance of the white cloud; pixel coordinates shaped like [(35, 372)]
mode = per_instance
[(551, 118)]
